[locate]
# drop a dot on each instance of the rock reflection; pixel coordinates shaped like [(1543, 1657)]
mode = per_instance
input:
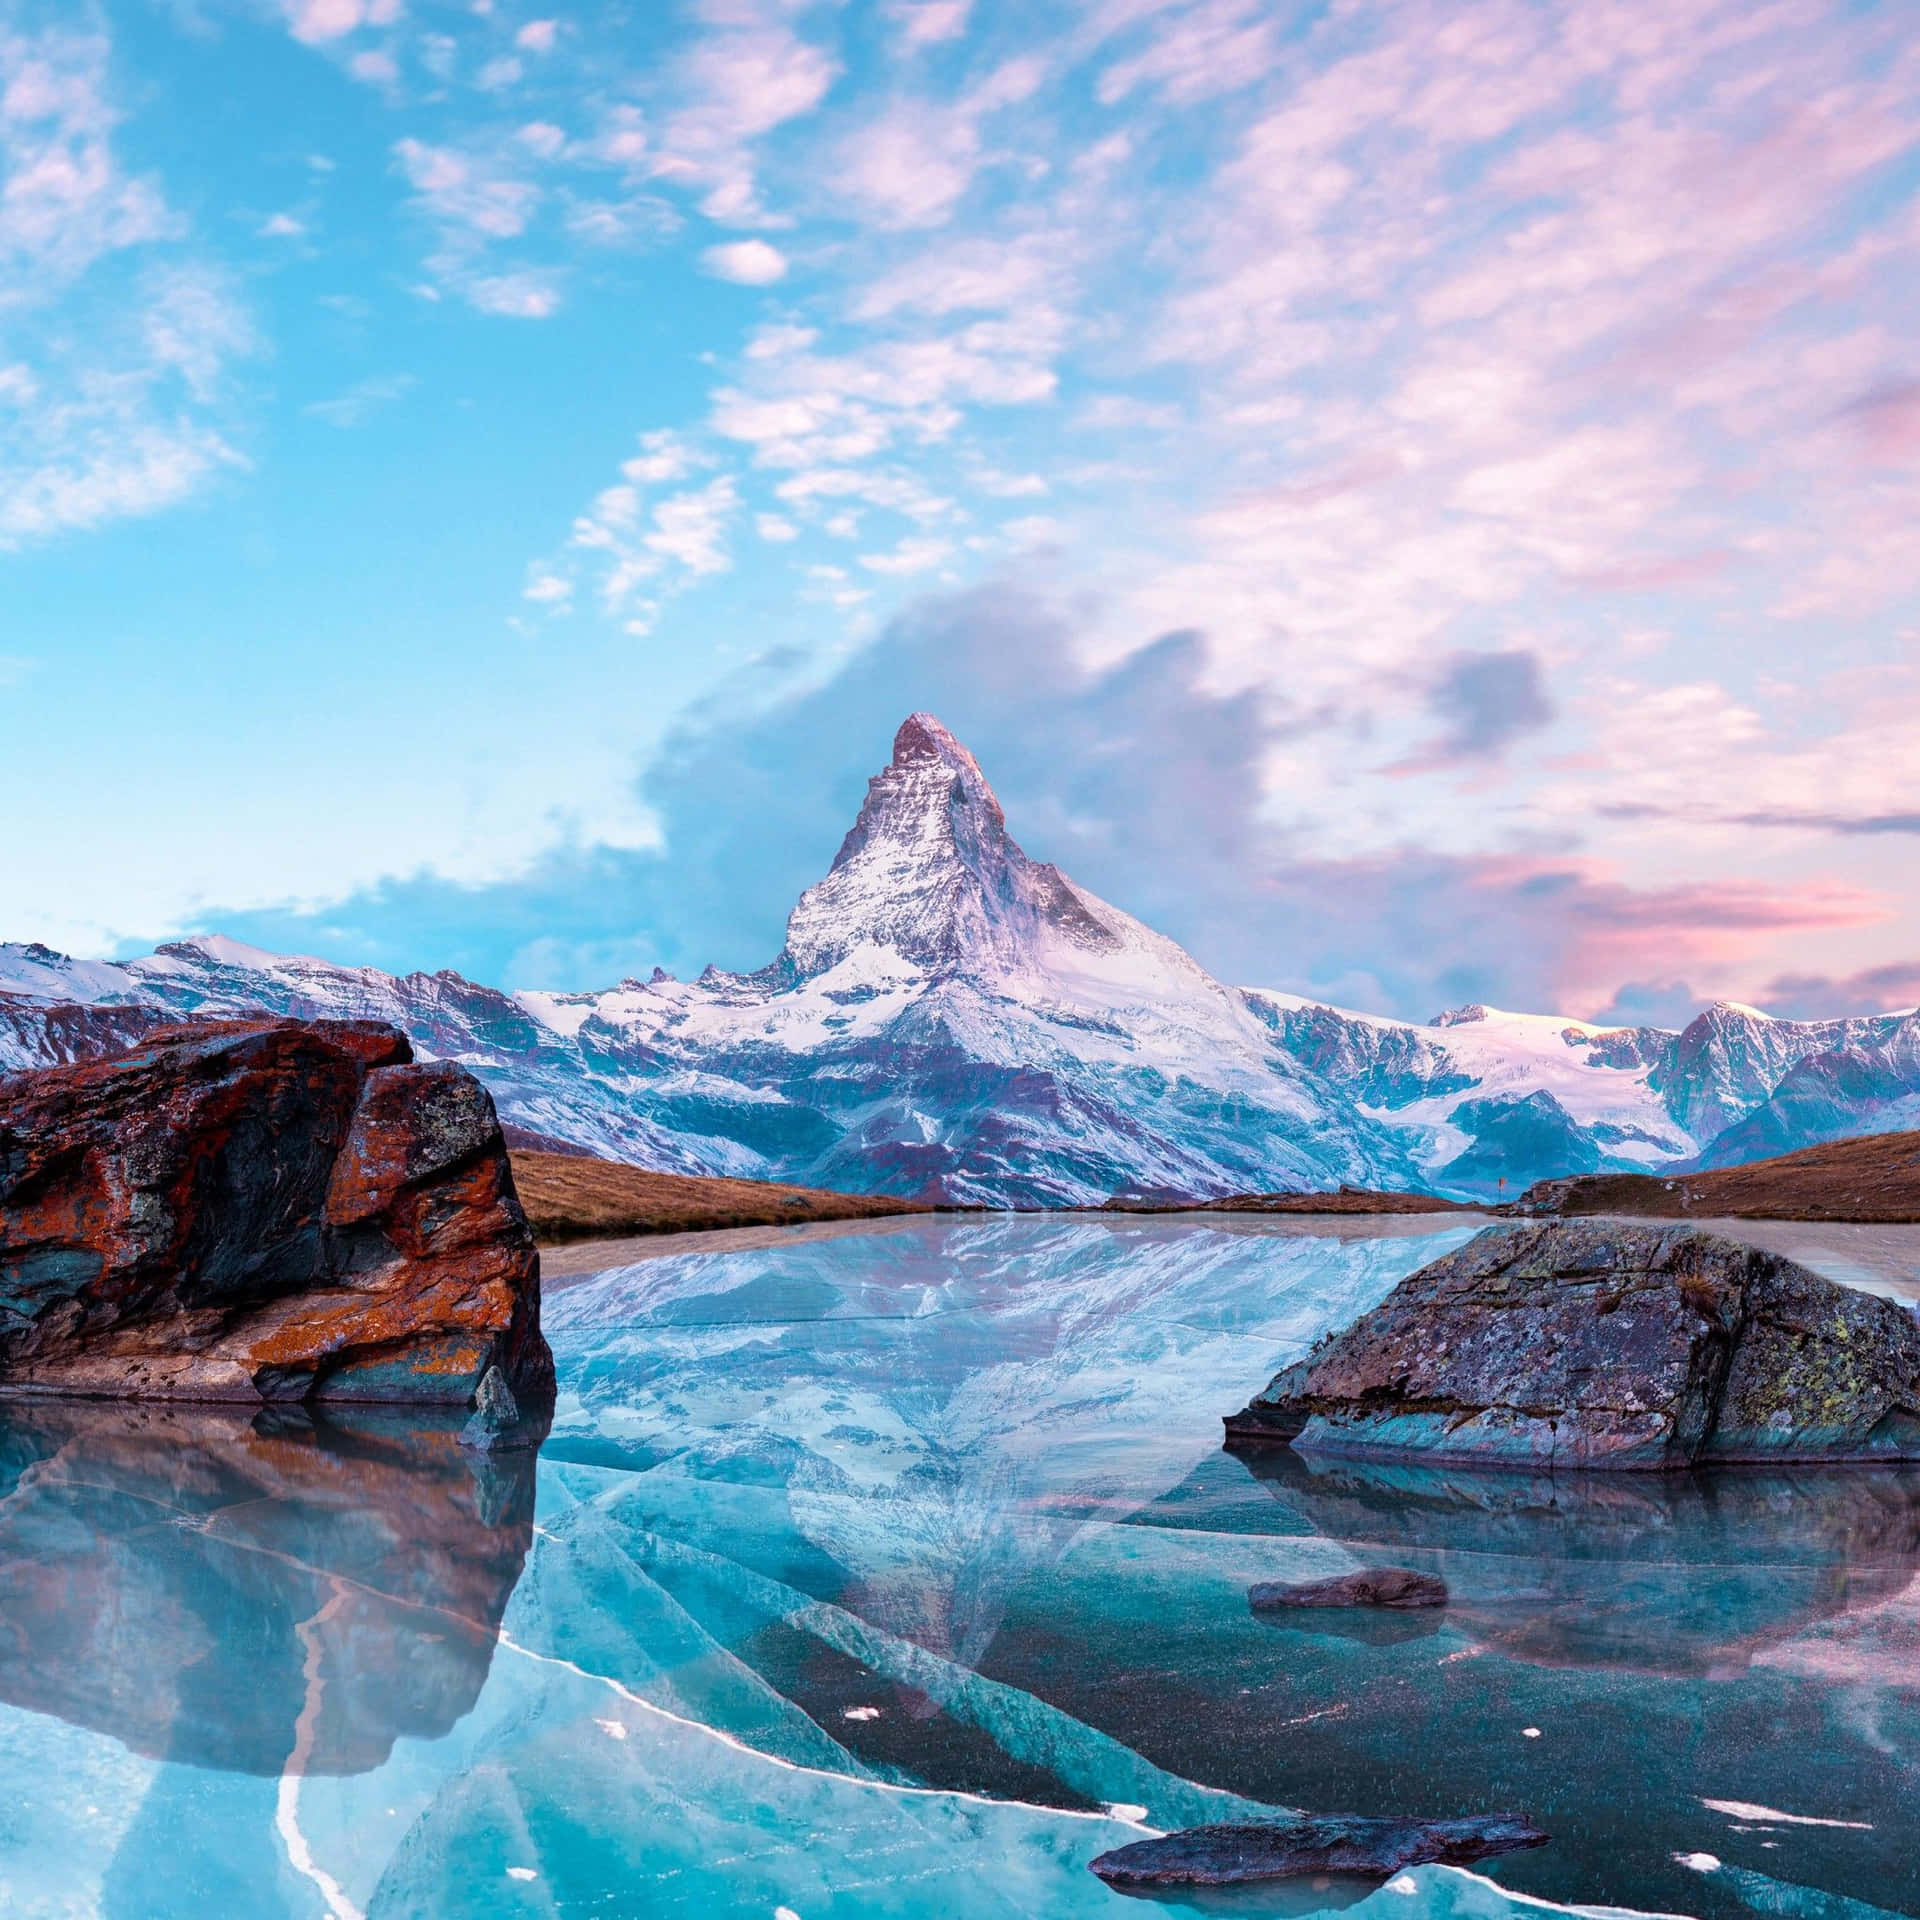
[(1675, 1574), (242, 1596)]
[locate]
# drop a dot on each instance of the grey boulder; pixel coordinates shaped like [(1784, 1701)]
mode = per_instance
[(1587, 1344)]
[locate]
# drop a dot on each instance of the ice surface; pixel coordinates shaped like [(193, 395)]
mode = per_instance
[(871, 1574)]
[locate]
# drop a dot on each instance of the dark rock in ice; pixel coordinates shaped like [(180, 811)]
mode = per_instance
[(1397, 1587), (1337, 1843), (1590, 1345), (267, 1209), (496, 1425)]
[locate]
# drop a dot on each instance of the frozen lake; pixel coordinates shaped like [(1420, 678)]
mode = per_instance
[(898, 1571)]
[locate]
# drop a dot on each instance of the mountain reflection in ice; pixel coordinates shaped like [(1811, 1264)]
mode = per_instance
[(894, 1573), (926, 1413)]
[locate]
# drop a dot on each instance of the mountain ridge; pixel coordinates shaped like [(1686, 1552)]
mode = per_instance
[(951, 1019)]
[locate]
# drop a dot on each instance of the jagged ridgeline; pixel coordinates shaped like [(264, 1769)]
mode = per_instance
[(950, 1017)]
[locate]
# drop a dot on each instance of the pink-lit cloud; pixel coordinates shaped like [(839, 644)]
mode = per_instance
[(1528, 390)]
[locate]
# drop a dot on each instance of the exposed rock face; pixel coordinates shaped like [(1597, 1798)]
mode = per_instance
[(1871, 1084), (929, 872), (1336, 1843), (1536, 1133), (266, 1210), (34, 1034), (1588, 1345), (1397, 1587), (1377, 1063)]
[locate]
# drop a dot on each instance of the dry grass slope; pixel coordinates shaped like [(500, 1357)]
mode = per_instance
[(1341, 1200), (570, 1197), (1875, 1179)]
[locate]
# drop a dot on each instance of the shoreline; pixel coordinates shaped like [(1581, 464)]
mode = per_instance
[(1870, 1182), (568, 1261)]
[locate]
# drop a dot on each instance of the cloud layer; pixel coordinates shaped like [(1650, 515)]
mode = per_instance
[(1138, 779), (1459, 460), (115, 331)]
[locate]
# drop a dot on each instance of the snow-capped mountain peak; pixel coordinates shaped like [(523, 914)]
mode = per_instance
[(949, 1016), (930, 873)]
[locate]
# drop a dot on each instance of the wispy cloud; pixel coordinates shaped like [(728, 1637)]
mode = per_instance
[(117, 332), (362, 400), (749, 72), (1817, 996)]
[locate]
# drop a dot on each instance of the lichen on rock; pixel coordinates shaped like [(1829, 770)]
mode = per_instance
[(1594, 1345), (263, 1210)]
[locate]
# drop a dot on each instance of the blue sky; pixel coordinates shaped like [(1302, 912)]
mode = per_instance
[(1416, 500)]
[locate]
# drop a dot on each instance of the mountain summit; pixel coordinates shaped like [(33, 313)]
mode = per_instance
[(929, 872), (950, 1017)]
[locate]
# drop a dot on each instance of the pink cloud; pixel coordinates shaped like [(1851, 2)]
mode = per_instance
[(739, 81), (1813, 996), (317, 21), (1888, 421)]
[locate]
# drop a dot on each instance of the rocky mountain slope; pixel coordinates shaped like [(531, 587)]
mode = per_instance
[(949, 1017)]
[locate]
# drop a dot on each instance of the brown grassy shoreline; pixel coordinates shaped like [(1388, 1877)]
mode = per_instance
[(1874, 1180), (569, 1197)]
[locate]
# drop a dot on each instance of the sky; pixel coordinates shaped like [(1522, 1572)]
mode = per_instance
[(1419, 502)]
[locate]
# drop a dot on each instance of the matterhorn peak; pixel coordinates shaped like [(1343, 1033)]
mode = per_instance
[(930, 873), (923, 743), (921, 738)]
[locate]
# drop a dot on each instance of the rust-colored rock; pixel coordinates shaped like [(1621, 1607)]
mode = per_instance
[(263, 1210)]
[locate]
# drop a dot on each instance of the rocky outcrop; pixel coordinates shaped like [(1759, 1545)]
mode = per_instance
[(497, 1425), (1396, 1587), (268, 1210), (1335, 1843), (1599, 1346)]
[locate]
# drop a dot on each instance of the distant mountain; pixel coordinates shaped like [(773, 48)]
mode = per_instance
[(950, 1017)]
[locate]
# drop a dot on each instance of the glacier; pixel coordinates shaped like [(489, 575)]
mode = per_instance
[(950, 1018)]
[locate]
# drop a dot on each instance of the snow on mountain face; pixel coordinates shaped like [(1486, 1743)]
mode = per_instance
[(948, 1016), (1869, 1082), (929, 873)]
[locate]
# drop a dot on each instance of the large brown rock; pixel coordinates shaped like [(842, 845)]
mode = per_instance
[(263, 1210), (1594, 1345)]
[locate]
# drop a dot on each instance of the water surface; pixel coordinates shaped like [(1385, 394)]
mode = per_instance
[(899, 1571)]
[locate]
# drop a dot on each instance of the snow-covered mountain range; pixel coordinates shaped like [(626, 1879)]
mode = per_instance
[(949, 1016)]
